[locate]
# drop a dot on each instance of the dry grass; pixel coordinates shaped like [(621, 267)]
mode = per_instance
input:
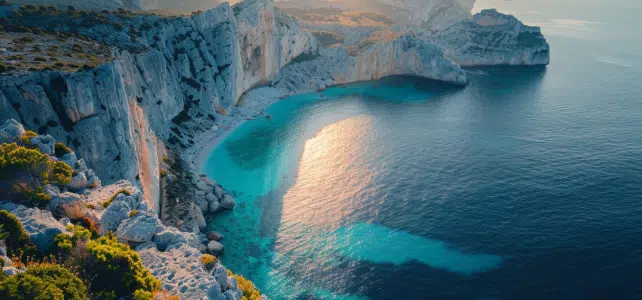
[(75, 210)]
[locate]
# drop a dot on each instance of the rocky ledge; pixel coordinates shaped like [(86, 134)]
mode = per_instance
[(172, 256), (492, 38)]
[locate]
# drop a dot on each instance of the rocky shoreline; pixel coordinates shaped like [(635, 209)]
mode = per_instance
[(146, 121)]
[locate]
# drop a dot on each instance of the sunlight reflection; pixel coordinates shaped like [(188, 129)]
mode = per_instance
[(320, 196)]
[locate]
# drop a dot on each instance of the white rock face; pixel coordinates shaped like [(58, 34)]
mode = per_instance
[(11, 131), (138, 229), (41, 226), (182, 273), (492, 38), (45, 143), (403, 56)]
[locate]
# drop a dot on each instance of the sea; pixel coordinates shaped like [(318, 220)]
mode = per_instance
[(526, 184)]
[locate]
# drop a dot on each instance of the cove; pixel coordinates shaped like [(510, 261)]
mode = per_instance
[(525, 184), (278, 169)]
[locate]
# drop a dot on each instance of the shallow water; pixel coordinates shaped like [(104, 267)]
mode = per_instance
[(525, 184)]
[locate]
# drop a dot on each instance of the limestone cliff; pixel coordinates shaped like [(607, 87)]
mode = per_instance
[(492, 38), (405, 55), (166, 82)]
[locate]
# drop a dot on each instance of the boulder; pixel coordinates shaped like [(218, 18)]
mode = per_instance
[(219, 192), (214, 236), (11, 131), (220, 274), (202, 186), (214, 207), (46, 144), (209, 182), (181, 272), (70, 159), (211, 198), (168, 236), (10, 271), (41, 226), (197, 215), (58, 202), (65, 221), (228, 202), (52, 190), (215, 247), (138, 229), (81, 165), (114, 215), (78, 182)]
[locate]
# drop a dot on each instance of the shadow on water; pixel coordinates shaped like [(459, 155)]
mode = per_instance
[(370, 95), (250, 151)]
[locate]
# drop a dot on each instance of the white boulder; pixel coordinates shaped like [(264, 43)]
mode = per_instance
[(138, 229), (228, 202)]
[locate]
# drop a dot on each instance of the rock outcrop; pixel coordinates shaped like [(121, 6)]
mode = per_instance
[(492, 38), (41, 226), (182, 273), (405, 55), (179, 71)]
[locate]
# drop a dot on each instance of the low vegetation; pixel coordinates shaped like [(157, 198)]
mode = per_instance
[(250, 292), (17, 239), (108, 202), (208, 261), (89, 267), (43, 281), (24, 171), (62, 150), (117, 269)]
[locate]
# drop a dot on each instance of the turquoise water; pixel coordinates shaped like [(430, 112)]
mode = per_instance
[(525, 184)]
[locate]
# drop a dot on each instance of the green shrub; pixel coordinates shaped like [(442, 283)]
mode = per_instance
[(77, 48), (133, 213), (37, 195), (62, 173), (25, 139), (14, 158), (27, 170), (43, 281), (17, 239), (209, 261), (250, 292), (3, 233), (108, 202), (23, 40), (91, 225), (117, 268), (143, 295), (64, 243), (62, 150)]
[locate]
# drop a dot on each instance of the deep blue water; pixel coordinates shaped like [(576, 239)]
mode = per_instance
[(527, 184)]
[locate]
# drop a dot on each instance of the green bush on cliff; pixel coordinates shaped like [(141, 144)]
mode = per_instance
[(117, 269), (64, 243), (62, 150), (25, 139), (17, 239), (62, 173), (27, 170), (250, 292), (108, 202), (43, 281)]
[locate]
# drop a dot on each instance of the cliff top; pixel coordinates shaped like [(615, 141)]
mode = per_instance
[(337, 16), (27, 50)]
